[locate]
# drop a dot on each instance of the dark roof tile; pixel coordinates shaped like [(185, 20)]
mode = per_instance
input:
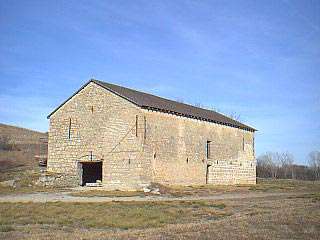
[(153, 102), (149, 101)]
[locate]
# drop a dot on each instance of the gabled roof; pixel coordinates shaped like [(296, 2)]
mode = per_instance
[(152, 102)]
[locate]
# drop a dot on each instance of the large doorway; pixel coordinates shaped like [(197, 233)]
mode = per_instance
[(90, 172)]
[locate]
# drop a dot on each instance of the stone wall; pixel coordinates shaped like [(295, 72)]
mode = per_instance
[(179, 147), (138, 146), (103, 125), (57, 180)]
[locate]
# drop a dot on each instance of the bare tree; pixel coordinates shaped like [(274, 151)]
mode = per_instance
[(268, 164), (234, 116), (213, 108), (5, 143), (286, 160), (275, 165), (314, 163), (180, 100), (281, 165), (264, 166), (200, 105)]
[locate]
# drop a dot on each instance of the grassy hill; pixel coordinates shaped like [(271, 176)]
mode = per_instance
[(18, 147)]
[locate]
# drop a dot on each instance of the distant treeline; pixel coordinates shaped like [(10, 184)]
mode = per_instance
[(281, 165)]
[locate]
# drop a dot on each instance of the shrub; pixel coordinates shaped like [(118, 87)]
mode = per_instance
[(5, 143)]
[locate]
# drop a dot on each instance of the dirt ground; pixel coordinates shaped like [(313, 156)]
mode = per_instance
[(43, 197)]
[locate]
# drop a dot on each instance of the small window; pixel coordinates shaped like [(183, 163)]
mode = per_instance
[(91, 108), (253, 145), (243, 143), (145, 128), (69, 129), (208, 149), (136, 125), (187, 160)]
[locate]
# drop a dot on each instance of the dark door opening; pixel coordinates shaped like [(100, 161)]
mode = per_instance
[(207, 174), (91, 172)]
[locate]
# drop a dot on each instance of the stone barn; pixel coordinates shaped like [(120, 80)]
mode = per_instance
[(128, 139)]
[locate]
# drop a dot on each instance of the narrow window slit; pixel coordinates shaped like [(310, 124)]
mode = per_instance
[(208, 149), (253, 146), (69, 129), (243, 143), (136, 125), (145, 128)]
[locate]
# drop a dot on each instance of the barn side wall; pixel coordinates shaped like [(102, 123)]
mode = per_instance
[(179, 151)]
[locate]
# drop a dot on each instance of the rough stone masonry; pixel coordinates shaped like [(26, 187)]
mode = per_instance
[(139, 138)]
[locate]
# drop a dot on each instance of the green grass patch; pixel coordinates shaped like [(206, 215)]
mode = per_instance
[(6, 228)]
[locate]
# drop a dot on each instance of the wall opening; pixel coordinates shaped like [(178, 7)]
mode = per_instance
[(208, 150), (145, 129), (90, 172), (137, 125), (69, 129), (253, 146), (243, 143), (207, 173)]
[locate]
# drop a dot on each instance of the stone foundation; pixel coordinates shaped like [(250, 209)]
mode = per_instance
[(57, 180)]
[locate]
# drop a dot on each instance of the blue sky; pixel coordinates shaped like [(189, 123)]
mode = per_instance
[(260, 59)]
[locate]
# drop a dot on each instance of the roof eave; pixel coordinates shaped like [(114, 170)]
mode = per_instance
[(247, 128), (99, 83)]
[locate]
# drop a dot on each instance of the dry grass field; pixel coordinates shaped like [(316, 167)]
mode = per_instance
[(25, 145), (291, 212), (294, 216), (263, 185)]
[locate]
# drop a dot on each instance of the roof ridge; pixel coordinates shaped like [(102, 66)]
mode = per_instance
[(153, 102), (131, 99)]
